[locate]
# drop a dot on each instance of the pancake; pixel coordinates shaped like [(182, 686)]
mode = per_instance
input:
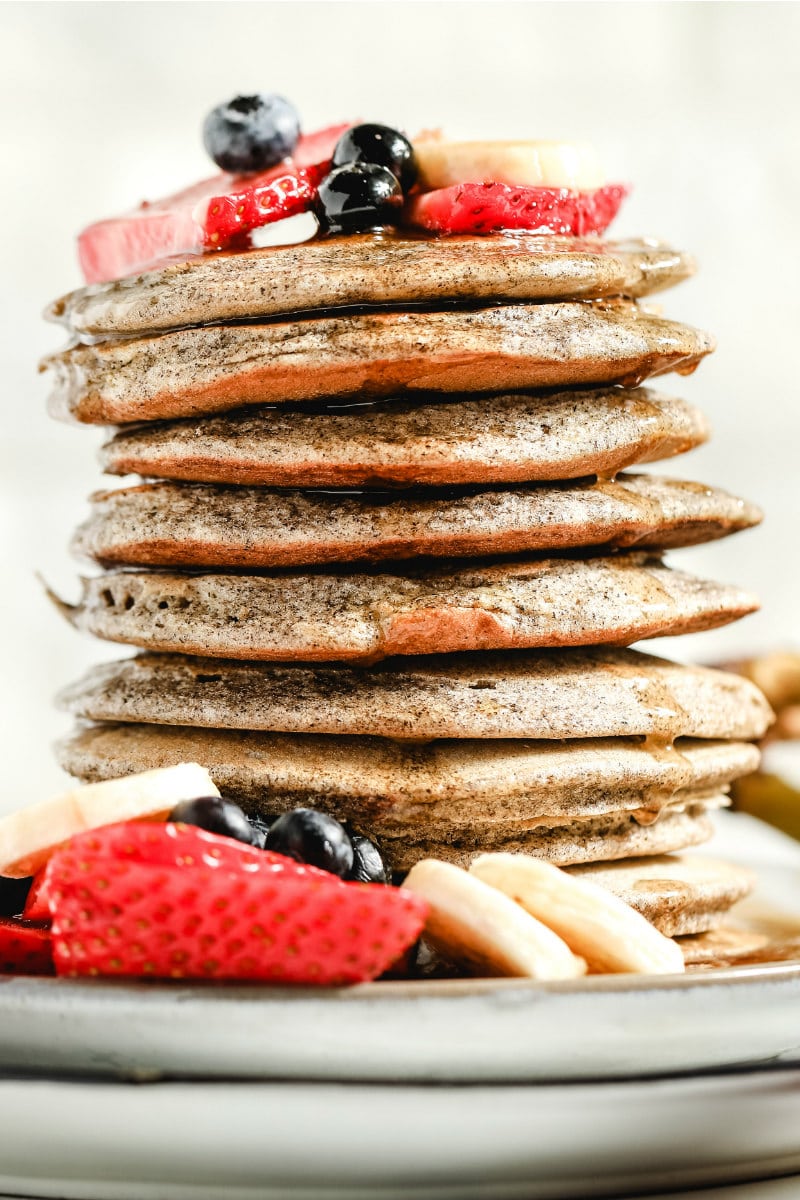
[(204, 525), (678, 895), (386, 787), (563, 842), (491, 439), (213, 368), (520, 694), (340, 617), (729, 946), (372, 270)]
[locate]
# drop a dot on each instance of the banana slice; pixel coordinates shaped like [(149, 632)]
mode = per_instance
[(533, 164), (603, 929), (29, 837), (471, 922)]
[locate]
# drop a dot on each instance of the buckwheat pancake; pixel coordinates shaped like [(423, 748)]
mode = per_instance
[(370, 270), (211, 525), (547, 602), (679, 895), (549, 694), (213, 368), (731, 946), (563, 841), (462, 440), (393, 788)]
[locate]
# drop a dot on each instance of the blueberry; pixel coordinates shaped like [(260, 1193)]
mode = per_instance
[(261, 829), (381, 146), (358, 197), (13, 894), (251, 133), (216, 815), (367, 863), (314, 838)]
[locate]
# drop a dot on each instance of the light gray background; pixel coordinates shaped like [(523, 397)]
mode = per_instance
[(695, 103)]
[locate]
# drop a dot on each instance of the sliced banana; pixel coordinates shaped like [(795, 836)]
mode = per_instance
[(603, 929), (532, 164), (29, 837), (471, 922)]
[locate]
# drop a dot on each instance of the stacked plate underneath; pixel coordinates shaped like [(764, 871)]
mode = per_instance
[(386, 559)]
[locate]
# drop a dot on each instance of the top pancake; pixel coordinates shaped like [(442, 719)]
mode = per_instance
[(209, 369), (369, 270)]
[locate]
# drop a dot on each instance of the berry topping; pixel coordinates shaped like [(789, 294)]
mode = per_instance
[(25, 949), (173, 901), (226, 205), (217, 816), (358, 197), (491, 207), (380, 146), (367, 863), (312, 837), (13, 895), (251, 133)]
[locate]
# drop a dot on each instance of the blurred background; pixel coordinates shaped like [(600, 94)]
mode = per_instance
[(695, 103)]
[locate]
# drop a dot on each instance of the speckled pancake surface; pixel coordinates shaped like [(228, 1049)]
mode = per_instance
[(551, 694), (678, 894), (203, 525), (213, 368), (564, 842), (488, 439), (370, 270), (343, 617), (394, 788)]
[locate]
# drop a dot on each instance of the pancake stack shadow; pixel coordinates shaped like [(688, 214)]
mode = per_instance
[(388, 554)]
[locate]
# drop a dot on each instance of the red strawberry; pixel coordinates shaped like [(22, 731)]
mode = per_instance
[(172, 901), (184, 223), (37, 906), (25, 949), (491, 207)]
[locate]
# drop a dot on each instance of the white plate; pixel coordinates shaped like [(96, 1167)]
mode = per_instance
[(294, 1141), (468, 1031)]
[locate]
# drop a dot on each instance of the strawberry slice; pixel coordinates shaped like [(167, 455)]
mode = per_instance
[(491, 207), (186, 223), (37, 906), (172, 901), (25, 949)]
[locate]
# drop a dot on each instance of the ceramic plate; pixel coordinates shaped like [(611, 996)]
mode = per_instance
[(299, 1141)]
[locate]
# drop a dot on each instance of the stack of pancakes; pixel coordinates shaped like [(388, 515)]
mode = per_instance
[(385, 561)]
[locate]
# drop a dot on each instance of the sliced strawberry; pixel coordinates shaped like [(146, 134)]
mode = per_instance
[(492, 207), (25, 949), (37, 906), (269, 197), (172, 901), (177, 225)]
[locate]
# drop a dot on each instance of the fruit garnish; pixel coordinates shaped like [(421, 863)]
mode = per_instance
[(251, 133), (596, 925), (572, 165), (380, 146), (358, 197), (13, 896), (482, 208), (472, 923), (216, 815), (25, 949), (182, 224), (37, 905), (29, 837), (367, 863), (173, 901), (312, 837)]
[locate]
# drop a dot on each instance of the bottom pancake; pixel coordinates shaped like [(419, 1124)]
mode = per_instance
[(679, 894)]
